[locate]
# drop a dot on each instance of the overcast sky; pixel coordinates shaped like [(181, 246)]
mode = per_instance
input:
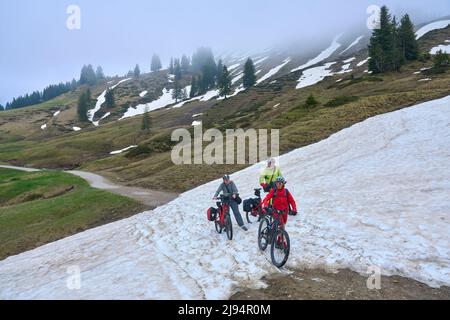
[(37, 48)]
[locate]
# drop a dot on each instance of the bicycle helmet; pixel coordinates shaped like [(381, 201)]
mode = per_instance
[(226, 177), (280, 179)]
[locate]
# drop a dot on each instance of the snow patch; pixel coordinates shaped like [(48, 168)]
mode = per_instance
[(76, 128), (361, 63), (354, 43), (143, 93), (314, 75), (106, 115), (273, 71), (122, 150), (432, 26), (56, 113), (322, 56), (261, 60), (443, 47), (237, 78), (163, 101), (100, 100), (44, 126), (353, 213)]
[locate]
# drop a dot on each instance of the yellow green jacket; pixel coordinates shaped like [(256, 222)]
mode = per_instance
[(269, 175)]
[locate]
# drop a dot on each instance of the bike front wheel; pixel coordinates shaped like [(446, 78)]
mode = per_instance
[(279, 251), (263, 234)]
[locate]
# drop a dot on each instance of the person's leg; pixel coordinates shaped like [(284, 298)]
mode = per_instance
[(237, 215)]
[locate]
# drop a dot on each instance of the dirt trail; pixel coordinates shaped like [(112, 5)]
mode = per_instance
[(317, 284), (151, 198)]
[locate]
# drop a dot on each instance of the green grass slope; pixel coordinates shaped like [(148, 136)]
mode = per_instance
[(41, 207)]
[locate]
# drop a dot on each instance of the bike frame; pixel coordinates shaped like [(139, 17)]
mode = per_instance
[(223, 210), (273, 224)]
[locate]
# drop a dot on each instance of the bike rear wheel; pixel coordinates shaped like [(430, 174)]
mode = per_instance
[(218, 226), (281, 245), (251, 218), (229, 227), (263, 234)]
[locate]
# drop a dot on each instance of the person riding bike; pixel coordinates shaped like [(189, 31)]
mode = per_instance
[(269, 174), (228, 187), (282, 200)]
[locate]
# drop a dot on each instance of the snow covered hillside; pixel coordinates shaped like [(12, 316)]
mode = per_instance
[(373, 194)]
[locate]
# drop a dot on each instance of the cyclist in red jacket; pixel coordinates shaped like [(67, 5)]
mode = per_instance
[(282, 200)]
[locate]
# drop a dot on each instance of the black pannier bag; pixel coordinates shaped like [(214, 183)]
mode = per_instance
[(212, 214), (249, 204)]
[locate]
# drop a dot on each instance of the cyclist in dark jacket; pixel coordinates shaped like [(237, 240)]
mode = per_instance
[(228, 187)]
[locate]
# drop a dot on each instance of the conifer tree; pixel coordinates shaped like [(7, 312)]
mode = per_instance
[(109, 98), (146, 120), (225, 83), (156, 63), (408, 43), (185, 64), (83, 105), (381, 44), (249, 78), (441, 61), (88, 75), (99, 73), (171, 67), (219, 71), (194, 87), (177, 69), (137, 71), (177, 91)]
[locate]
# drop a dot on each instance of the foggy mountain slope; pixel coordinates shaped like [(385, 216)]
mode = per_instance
[(353, 213)]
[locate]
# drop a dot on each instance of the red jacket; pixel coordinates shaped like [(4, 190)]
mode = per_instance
[(281, 201)]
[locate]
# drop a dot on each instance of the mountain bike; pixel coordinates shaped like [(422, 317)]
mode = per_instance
[(271, 233), (223, 220), (254, 208)]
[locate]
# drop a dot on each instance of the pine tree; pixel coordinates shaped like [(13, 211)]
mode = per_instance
[(146, 120), (83, 105), (156, 63), (396, 57), (219, 71), (109, 98), (171, 67), (88, 76), (137, 71), (225, 83), (249, 78), (381, 44), (194, 87), (184, 94), (177, 69), (311, 102), (185, 64), (177, 91), (99, 73), (408, 43), (441, 61), (73, 85)]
